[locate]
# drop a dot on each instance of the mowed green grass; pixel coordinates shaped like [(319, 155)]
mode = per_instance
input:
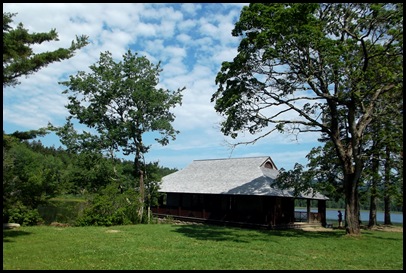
[(189, 247)]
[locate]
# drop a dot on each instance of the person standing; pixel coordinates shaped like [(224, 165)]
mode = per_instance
[(340, 219)]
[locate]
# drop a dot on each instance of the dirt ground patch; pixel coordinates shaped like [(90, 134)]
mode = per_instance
[(388, 228), (112, 231), (317, 229), (380, 228), (57, 224)]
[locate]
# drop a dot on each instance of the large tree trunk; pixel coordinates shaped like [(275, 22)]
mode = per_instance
[(387, 218), (141, 209), (387, 189), (352, 223), (372, 209), (352, 173), (138, 171)]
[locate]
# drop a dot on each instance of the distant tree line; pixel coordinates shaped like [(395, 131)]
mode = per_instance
[(33, 174), (340, 203)]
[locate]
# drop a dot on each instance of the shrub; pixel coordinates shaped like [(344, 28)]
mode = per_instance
[(110, 207), (22, 215)]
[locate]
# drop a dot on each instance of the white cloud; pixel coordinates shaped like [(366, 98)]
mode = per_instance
[(191, 9)]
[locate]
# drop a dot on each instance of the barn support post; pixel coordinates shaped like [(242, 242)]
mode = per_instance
[(322, 211), (308, 210), (180, 205)]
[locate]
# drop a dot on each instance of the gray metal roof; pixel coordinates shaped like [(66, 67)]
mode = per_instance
[(244, 176)]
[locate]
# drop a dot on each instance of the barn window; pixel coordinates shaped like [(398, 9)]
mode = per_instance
[(268, 165)]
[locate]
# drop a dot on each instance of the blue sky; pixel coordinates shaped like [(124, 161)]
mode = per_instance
[(191, 40)]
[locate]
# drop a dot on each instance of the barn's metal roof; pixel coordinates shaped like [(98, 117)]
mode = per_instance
[(243, 176)]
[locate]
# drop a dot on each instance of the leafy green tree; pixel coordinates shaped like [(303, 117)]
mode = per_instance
[(18, 56), (110, 207), (373, 173), (29, 179), (9, 190), (17, 149), (88, 172), (153, 177), (393, 166), (36, 176), (30, 135), (313, 67), (381, 178), (120, 101)]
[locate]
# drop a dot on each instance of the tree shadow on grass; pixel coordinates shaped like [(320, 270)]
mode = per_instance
[(8, 234), (211, 232), (244, 235)]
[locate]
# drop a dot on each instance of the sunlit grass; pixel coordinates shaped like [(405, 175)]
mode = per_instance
[(166, 246)]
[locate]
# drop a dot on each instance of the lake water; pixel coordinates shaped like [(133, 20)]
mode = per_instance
[(332, 215)]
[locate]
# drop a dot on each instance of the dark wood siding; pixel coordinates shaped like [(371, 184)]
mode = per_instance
[(263, 210)]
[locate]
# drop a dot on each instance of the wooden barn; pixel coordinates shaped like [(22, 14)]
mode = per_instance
[(234, 191)]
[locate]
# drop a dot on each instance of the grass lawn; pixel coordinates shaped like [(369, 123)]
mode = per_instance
[(179, 247)]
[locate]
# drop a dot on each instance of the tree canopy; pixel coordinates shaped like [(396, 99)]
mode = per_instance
[(314, 67), (18, 56), (121, 102), (33, 174)]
